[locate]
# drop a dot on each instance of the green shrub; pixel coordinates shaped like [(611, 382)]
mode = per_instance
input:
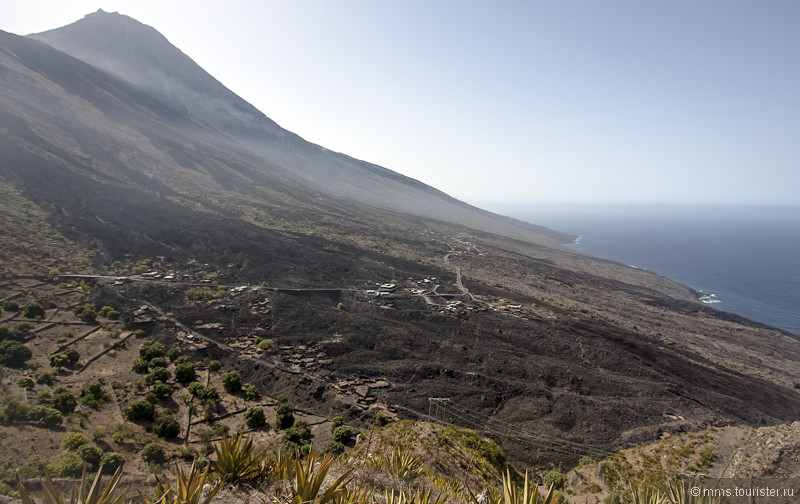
[(113, 315), (93, 394), (63, 400), (166, 426), (14, 354), (153, 453), (297, 435), (251, 392), (150, 350), (13, 410), (122, 433), (173, 354), (157, 362), (344, 434), (88, 316), (26, 382), (44, 377), (184, 372), (33, 310), (72, 356), (284, 415), (337, 421), (139, 366), (111, 461), (10, 305), (254, 418), (232, 382), (555, 478), (139, 410), (266, 344), (91, 454), (67, 464), (73, 440), (46, 415), (214, 366), (162, 390), (334, 447), (157, 374)]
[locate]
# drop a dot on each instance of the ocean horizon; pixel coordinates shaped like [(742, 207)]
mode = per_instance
[(743, 259)]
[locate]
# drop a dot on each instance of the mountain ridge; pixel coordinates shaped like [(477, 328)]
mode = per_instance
[(145, 58)]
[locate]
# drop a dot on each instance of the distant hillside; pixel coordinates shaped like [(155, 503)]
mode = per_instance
[(140, 55)]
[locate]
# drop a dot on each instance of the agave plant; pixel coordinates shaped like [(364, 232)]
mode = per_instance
[(528, 494), (281, 466), (681, 493), (405, 465), (86, 493), (354, 494), (424, 496), (188, 488), (308, 480), (237, 459), (646, 495)]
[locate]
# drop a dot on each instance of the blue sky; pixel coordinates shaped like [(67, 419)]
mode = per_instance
[(514, 102)]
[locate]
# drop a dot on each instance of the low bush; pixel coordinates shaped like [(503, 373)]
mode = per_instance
[(63, 400), (251, 392), (284, 415), (33, 310), (111, 461), (46, 415), (254, 418), (153, 453), (91, 455), (73, 440), (139, 410), (232, 382), (14, 354), (185, 373), (166, 427), (94, 394)]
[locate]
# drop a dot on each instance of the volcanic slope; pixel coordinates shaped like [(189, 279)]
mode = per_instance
[(139, 54), (553, 351)]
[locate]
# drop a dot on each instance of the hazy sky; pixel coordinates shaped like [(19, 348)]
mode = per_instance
[(680, 101)]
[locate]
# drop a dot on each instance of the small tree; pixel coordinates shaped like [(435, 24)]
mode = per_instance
[(139, 410), (254, 418), (14, 354), (88, 316), (166, 426), (150, 350), (153, 453), (284, 415), (33, 310), (10, 305), (63, 400), (184, 372), (232, 382), (251, 392)]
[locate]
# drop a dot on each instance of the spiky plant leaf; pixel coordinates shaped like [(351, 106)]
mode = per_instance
[(528, 494), (237, 459), (308, 479), (680, 493), (85, 493), (189, 488)]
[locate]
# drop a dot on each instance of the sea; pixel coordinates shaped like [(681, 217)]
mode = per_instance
[(744, 260)]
